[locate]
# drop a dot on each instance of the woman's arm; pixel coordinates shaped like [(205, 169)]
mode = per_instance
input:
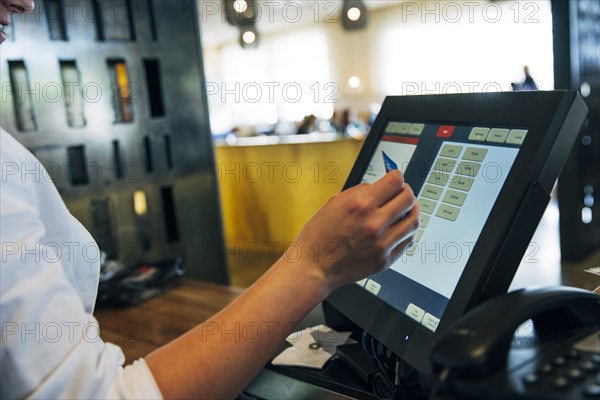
[(355, 234)]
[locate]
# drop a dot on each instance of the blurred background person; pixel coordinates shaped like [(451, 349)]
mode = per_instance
[(527, 84)]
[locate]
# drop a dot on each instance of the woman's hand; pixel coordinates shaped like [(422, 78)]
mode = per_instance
[(356, 233), (359, 232)]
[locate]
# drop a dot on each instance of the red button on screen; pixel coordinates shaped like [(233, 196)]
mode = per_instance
[(445, 131)]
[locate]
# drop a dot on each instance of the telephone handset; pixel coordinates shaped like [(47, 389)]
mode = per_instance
[(477, 361)]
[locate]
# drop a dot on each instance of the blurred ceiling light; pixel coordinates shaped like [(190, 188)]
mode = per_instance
[(354, 82), (354, 15), (240, 12), (248, 37), (240, 6)]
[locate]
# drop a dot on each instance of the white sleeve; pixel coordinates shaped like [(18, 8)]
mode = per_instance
[(50, 346), (135, 382)]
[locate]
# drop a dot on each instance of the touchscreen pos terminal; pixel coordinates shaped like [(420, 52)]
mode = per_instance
[(482, 167)]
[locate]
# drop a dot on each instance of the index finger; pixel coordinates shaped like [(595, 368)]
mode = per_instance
[(387, 187)]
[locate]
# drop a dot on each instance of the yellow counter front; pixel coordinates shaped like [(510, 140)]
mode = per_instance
[(270, 189)]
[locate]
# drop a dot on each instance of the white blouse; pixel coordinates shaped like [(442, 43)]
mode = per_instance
[(51, 346)]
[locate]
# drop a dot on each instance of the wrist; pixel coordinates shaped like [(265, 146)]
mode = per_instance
[(306, 272)]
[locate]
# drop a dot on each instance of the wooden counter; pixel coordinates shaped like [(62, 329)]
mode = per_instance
[(143, 328), (147, 326)]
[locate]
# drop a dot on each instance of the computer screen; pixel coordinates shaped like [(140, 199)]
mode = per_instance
[(457, 172), (482, 167)]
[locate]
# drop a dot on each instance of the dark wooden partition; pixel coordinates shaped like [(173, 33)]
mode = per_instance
[(109, 95)]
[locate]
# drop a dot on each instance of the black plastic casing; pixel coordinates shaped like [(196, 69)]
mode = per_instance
[(553, 120)]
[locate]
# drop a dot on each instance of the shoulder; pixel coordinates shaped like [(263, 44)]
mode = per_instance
[(21, 172), (17, 167), (12, 150), (18, 164), (25, 188)]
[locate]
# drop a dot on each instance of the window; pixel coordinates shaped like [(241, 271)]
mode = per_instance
[(284, 79), (484, 51)]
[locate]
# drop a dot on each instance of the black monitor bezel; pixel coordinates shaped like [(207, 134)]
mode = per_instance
[(553, 120)]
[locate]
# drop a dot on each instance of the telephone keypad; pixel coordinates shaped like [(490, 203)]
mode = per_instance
[(546, 369), (592, 390), (531, 379), (588, 365), (571, 372), (560, 361), (560, 383), (576, 374), (573, 354)]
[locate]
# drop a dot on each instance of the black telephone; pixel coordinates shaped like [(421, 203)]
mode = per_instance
[(481, 357)]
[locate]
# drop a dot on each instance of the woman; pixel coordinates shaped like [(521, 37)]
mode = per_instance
[(50, 347)]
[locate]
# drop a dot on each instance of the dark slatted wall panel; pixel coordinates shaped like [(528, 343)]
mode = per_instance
[(109, 94)]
